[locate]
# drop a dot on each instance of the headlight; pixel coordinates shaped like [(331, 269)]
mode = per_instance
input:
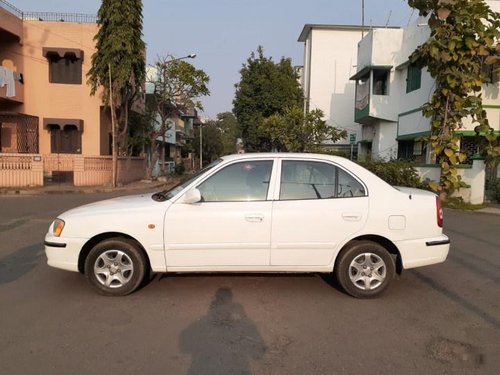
[(57, 227)]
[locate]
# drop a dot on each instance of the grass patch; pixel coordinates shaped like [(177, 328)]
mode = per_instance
[(459, 204)]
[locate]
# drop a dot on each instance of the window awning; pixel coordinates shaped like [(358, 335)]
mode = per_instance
[(189, 113), (62, 123), (403, 65), (413, 136), (63, 52), (367, 69)]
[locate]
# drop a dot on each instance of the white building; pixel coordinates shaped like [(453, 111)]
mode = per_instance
[(342, 68), (384, 100), (330, 55), (390, 93)]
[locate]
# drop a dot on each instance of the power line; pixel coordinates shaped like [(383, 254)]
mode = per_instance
[(388, 18), (411, 16)]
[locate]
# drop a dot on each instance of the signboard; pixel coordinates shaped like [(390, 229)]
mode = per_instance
[(352, 138)]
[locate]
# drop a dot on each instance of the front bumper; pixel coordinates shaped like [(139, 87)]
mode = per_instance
[(63, 252), (424, 251)]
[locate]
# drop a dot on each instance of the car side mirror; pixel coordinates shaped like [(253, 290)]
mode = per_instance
[(192, 196)]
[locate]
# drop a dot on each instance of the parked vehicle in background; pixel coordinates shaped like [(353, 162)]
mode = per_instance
[(270, 212)]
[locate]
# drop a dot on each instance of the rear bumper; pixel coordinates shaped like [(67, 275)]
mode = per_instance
[(424, 251)]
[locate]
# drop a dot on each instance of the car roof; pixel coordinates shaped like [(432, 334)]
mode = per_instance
[(293, 155)]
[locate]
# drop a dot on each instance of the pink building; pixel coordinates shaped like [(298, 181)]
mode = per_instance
[(48, 119)]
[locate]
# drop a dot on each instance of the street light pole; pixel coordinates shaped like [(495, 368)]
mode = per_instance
[(201, 146), (190, 56), (165, 63)]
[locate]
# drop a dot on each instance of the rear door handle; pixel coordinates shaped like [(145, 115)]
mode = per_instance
[(351, 216), (254, 218)]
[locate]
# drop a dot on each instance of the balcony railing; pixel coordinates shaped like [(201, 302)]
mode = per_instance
[(59, 17), (11, 8), (48, 16)]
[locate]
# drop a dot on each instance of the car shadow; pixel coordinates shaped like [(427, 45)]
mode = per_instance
[(224, 340), (326, 278), (329, 279)]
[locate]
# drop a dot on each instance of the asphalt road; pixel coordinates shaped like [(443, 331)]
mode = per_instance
[(442, 319)]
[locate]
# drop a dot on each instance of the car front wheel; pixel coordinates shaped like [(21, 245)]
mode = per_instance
[(365, 269), (116, 267)]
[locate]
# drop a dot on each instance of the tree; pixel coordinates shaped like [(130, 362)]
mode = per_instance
[(139, 133), (461, 44), (292, 131), (219, 137), (213, 147), (230, 131), (265, 88), (177, 84), (118, 65)]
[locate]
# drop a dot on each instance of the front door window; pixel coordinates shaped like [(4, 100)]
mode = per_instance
[(239, 182)]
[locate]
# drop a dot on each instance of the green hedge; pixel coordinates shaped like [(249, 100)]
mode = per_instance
[(396, 173)]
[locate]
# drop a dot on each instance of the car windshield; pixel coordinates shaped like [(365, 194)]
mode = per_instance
[(165, 195)]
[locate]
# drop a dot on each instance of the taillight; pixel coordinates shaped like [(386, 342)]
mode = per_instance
[(439, 212)]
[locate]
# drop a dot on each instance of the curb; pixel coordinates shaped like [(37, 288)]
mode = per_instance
[(89, 190), (485, 210), (489, 210)]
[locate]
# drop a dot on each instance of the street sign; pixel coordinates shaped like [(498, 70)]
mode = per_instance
[(352, 138)]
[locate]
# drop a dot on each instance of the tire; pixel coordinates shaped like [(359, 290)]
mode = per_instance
[(115, 267), (364, 269)]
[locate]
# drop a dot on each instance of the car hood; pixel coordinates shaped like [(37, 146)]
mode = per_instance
[(124, 204)]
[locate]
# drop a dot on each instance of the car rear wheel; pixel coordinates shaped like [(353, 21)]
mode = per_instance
[(364, 269), (115, 267)]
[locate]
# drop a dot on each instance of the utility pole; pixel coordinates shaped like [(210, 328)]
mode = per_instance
[(114, 161), (362, 19)]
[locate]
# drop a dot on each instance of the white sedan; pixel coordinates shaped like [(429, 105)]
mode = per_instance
[(273, 212)]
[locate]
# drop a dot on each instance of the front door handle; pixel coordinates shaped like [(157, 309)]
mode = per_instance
[(254, 218)]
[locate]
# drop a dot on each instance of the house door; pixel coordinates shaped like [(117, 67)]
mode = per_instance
[(64, 142)]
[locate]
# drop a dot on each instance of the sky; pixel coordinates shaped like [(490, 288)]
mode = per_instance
[(223, 33)]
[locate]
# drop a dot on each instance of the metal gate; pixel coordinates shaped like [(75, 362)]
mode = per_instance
[(58, 168), (18, 133)]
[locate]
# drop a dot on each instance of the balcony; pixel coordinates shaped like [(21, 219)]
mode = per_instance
[(376, 89), (180, 136), (374, 99)]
